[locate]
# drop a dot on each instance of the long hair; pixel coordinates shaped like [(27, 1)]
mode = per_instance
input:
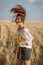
[(19, 10)]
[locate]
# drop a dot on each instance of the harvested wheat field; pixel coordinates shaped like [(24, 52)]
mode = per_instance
[(7, 46)]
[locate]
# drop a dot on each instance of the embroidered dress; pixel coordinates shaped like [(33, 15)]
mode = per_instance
[(25, 52), (28, 37)]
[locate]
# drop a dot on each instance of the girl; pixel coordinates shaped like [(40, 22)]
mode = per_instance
[(25, 46)]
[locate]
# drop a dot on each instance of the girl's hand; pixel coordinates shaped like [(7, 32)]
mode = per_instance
[(23, 43)]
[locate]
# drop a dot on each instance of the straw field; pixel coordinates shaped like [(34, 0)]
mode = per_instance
[(7, 46)]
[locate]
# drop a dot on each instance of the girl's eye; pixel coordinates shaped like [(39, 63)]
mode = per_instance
[(16, 19)]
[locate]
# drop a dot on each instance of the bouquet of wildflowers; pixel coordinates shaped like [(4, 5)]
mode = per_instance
[(18, 38)]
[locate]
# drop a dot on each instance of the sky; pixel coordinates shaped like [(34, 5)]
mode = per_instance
[(34, 9)]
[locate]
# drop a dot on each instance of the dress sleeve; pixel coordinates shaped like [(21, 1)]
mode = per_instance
[(28, 37)]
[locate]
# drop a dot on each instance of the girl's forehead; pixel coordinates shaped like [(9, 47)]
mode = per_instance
[(18, 17)]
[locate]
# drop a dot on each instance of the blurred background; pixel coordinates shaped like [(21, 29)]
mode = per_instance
[(34, 22)]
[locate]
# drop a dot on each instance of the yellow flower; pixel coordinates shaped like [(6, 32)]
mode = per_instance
[(19, 37)]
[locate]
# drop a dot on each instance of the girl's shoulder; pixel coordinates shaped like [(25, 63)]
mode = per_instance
[(26, 30)]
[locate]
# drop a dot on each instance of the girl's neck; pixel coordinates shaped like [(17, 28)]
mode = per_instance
[(20, 27)]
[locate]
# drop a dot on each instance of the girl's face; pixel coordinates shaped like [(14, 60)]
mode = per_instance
[(19, 21)]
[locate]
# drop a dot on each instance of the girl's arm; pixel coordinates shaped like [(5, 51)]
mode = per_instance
[(28, 38)]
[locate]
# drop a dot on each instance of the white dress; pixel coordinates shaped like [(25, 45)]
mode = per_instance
[(28, 37)]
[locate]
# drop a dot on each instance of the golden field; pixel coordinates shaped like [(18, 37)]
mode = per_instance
[(8, 29)]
